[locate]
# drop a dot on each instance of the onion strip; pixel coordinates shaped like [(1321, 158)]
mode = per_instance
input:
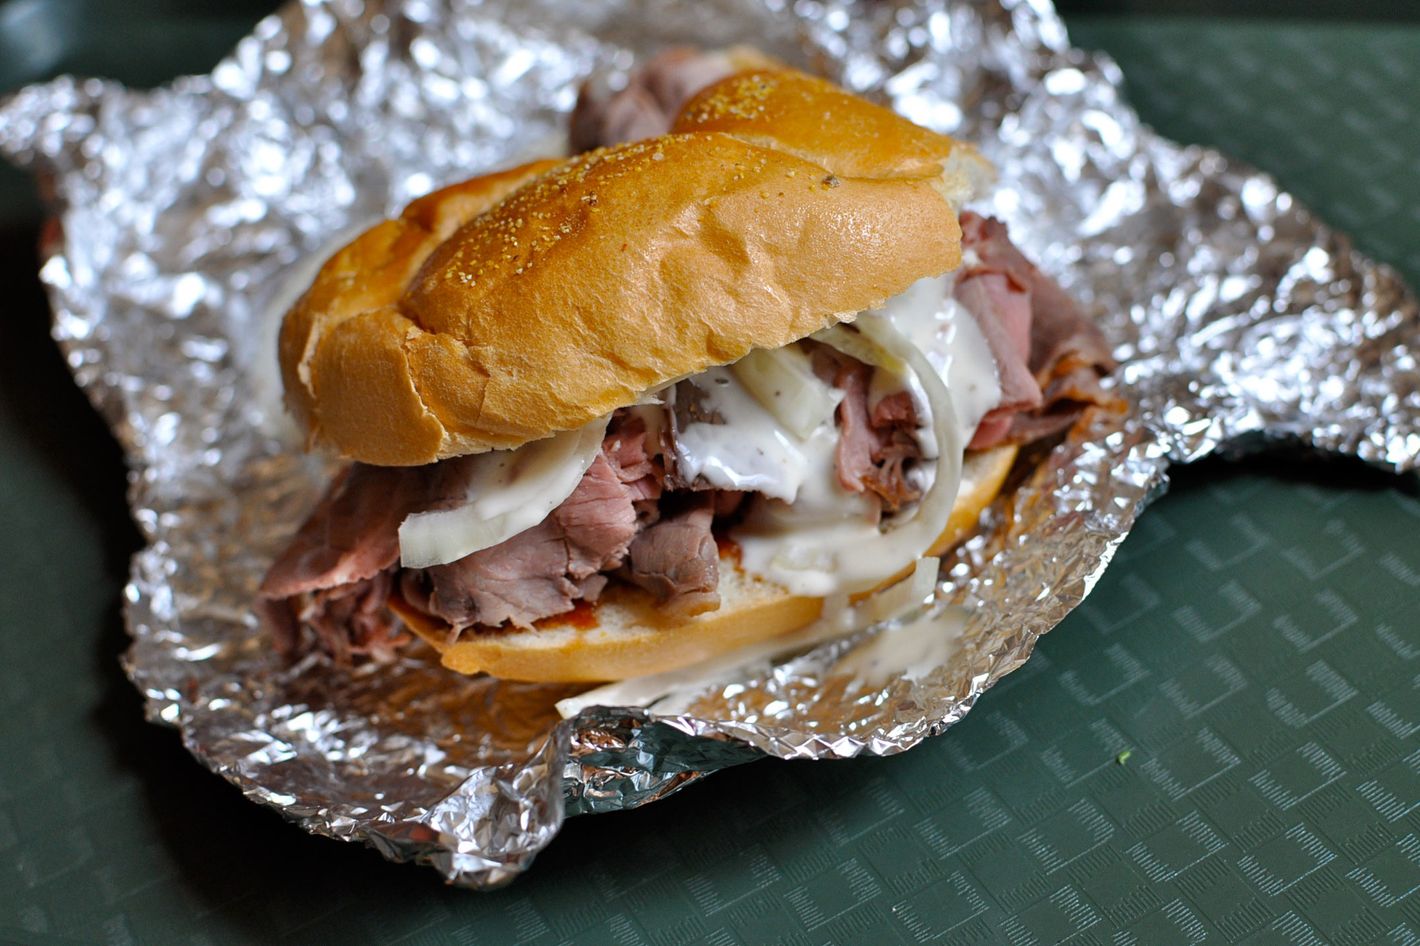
[(783, 382), (509, 491), (801, 565)]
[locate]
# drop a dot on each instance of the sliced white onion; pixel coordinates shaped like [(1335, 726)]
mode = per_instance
[(783, 381), (509, 491), (820, 561), (865, 347)]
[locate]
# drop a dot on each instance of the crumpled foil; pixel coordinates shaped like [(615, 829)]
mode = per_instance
[(1239, 318)]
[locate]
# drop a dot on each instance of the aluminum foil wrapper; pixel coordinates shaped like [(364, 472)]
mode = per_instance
[(1238, 317)]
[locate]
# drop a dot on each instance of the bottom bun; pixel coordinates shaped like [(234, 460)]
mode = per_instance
[(626, 634), (983, 472)]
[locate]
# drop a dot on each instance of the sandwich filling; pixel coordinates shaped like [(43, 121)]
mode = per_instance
[(827, 464)]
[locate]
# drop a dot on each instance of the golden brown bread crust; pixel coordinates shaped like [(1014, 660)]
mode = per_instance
[(627, 635), (611, 274), (983, 473), (369, 275), (819, 122), (630, 638)]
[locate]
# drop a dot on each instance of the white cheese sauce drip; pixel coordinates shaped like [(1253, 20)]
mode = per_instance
[(828, 539), (948, 335), (750, 450)]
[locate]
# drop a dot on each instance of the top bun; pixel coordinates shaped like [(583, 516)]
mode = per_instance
[(527, 302), (850, 136)]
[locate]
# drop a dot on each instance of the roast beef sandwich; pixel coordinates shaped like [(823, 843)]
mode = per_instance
[(620, 413)]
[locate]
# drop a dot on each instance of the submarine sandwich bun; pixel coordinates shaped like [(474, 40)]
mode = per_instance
[(622, 413)]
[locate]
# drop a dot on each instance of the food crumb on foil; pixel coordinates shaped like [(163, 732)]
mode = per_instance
[(1239, 320)]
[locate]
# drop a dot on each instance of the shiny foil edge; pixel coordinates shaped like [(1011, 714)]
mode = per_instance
[(1236, 268)]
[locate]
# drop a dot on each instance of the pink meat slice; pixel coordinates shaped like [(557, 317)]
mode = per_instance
[(1001, 306), (635, 466), (649, 103), (874, 445), (677, 560), (353, 534), (1037, 335), (854, 454), (544, 570)]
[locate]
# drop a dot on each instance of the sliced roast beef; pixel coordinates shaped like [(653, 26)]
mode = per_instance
[(346, 621), (597, 521), (677, 559), (1001, 307), (544, 570), (353, 620), (874, 446), (1065, 396), (335, 577), (637, 469), (520, 580), (856, 441), (1037, 335), (894, 423), (353, 534), (648, 104), (1060, 334), (894, 410)]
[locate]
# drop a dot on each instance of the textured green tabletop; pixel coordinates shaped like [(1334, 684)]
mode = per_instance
[(1221, 745)]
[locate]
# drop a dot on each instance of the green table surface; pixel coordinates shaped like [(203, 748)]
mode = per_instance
[(1221, 745)]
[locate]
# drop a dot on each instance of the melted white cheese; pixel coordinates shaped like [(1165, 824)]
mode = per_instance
[(947, 334), (829, 539), (750, 450)]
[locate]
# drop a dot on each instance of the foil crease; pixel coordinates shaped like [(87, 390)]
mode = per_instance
[(1239, 318)]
